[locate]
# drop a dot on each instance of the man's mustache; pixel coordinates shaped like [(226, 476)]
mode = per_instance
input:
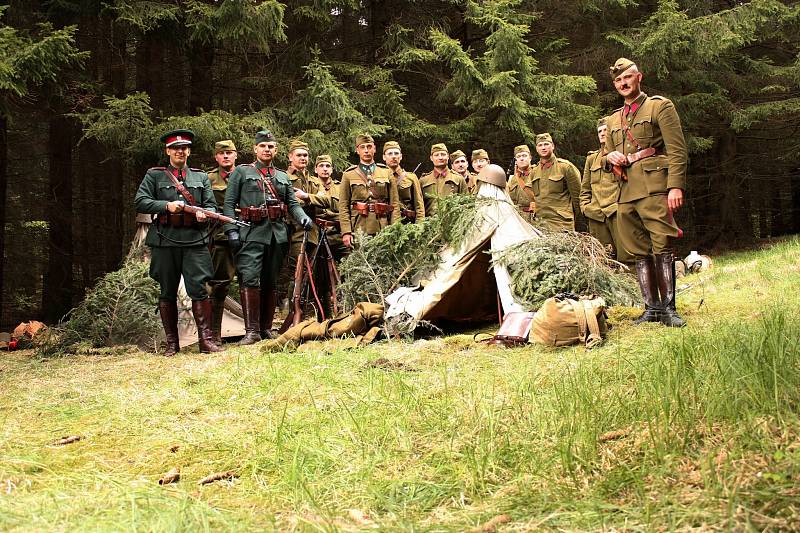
[(626, 86)]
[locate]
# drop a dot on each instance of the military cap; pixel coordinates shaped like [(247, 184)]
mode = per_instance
[(439, 147), (620, 66), (297, 144), (456, 155), (324, 158), (493, 174), (521, 148), (178, 138), (480, 153), (544, 138), (264, 136), (224, 146), (602, 122), (388, 145), (364, 138)]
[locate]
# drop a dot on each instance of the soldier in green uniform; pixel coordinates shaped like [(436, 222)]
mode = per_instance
[(411, 204), (264, 197), (368, 197), (221, 256), (645, 143), (520, 185), (441, 181), (599, 193), (556, 186), (179, 244), (460, 165)]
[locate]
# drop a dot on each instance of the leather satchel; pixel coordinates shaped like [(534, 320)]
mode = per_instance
[(514, 330)]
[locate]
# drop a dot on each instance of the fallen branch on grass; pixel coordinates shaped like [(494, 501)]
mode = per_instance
[(66, 440), (219, 476)]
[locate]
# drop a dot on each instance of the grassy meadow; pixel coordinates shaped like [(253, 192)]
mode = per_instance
[(658, 429)]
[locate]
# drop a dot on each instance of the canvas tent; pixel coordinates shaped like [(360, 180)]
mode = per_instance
[(232, 318), (465, 286)]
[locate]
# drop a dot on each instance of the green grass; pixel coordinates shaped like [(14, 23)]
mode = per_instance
[(657, 429)]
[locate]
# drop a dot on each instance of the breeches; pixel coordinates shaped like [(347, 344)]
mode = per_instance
[(646, 226), (259, 264), (168, 264)]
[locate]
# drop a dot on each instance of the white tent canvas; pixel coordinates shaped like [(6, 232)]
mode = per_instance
[(465, 286)]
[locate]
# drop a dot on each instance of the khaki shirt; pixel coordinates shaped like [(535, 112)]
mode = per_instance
[(599, 189), (357, 187), (655, 123), (311, 185), (520, 189), (556, 185), (219, 184), (410, 193), (434, 187)]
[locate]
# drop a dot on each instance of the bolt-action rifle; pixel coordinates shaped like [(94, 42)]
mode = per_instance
[(216, 216)]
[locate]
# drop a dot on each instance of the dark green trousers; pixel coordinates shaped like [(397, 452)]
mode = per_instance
[(224, 268), (259, 265), (168, 264)]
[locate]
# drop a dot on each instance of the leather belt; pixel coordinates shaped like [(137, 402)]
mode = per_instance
[(328, 224), (177, 220), (269, 212), (381, 210)]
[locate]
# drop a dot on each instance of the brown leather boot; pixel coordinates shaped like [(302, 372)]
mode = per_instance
[(269, 299), (169, 319), (665, 273), (251, 307), (646, 275), (201, 309), (217, 310)]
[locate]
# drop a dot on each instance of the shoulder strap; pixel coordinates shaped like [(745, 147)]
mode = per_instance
[(522, 186), (367, 182), (181, 189), (595, 337)]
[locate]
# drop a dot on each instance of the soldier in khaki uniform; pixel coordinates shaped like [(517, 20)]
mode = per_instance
[(441, 181), (520, 186), (599, 193), (459, 164), (179, 245), (557, 185), (645, 144), (368, 197), (221, 256), (411, 204), (326, 200), (480, 158)]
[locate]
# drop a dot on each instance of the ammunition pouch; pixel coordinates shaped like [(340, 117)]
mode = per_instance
[(329, 225), (273, 213), (409, 214), (644, 153), (178, 220), (381, 210)]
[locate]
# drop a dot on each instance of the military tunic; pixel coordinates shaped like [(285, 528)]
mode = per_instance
[(410, 194), (599, 193), (435, 186), (520, 189), (356, 186), (645, 223), (177, 251), (265, 243), (221, 255), (327, 202), (556, 185)]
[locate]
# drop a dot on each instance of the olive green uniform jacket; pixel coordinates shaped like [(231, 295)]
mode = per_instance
[(219, 184), (157, 189), (520, 190), (556, 184), (244, 191), (311, 185), (410, 193), (326, 200), (358, 187), (434, 187), (599, 189)]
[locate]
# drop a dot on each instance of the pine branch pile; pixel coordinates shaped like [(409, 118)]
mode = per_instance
[(404, 254), (119, 310)]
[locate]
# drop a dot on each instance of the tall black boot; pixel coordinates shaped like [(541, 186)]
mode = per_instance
[(251, 307), (665, 272), (169, 319), (201, 309), (646, 275), (217, 311)]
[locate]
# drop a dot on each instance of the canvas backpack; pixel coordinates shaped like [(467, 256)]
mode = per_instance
[(566, 319)]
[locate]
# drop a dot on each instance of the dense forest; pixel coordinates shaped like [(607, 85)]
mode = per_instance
[(88, 86)]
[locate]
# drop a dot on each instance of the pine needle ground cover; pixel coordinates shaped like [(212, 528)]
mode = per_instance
[(657, 429)]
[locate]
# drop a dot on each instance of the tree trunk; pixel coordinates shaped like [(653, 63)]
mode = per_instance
[(3, 186)]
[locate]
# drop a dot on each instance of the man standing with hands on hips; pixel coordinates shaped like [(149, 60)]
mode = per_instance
[(647, 152)]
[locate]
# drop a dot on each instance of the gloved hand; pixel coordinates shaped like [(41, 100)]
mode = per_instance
[(234, 241), (307, 223)]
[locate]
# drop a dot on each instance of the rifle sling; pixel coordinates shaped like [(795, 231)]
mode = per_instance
[(524, 188), (181, 188)]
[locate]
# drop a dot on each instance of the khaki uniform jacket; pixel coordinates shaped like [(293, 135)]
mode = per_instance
[(326, 200), (557, 190), (244, 191), (157, 189), (219, 184), (355, 187), (310, 184), (472, 182), (654, 124), (599, 189), (433, 188), (410, 193), (520, 189)]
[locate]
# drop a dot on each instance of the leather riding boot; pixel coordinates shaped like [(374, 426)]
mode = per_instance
[(268, 302), (201, 309), (251, 306), (665, 273), (217, 310), (646, 275), (169, 319)]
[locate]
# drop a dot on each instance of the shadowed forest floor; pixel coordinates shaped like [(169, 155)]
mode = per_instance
[(657, 429)]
